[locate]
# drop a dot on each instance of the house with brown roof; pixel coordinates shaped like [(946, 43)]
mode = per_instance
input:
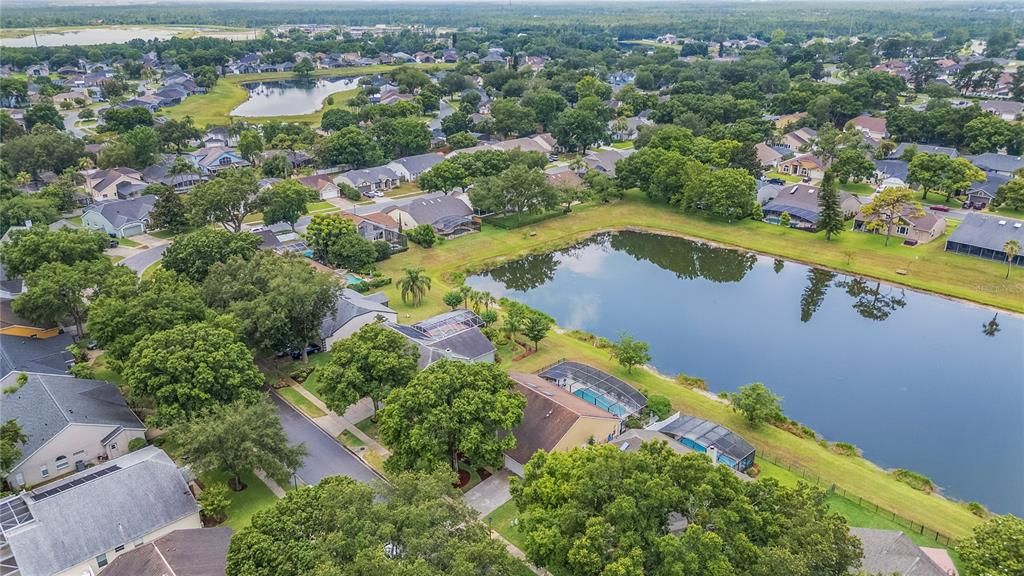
[(555, 419), (798, 139), (189, 551), (919, 229), (322, 184), (766, 155), (804, 165), (872, 127), (378, 226), (113, 183), (564, 177)]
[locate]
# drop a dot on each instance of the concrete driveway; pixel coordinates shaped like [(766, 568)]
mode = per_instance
[(326, 456), (486, 496)]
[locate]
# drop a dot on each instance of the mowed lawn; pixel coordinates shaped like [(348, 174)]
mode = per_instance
[(927, 267), (214, 107)]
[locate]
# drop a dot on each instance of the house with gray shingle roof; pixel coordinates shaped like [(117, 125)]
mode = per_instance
[(159, 174), (186, 552), (120, 218), (353, 311), (999, 163), (452, 335), (410, 167), (892, 552), (922, 149), (448, 215), (213, 159), (80, 524), (370, 181), (70, 422), (1005, 109), (42, 355), (985, 236)]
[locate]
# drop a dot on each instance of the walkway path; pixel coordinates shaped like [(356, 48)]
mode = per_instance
[(488, 495), (277, 490), (335, 425)]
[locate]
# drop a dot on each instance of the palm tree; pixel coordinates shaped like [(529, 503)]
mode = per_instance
[(466, 292), (1012, 248), (415, 284)]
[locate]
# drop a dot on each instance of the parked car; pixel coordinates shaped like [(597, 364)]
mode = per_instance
[(113, 243), (776, 181), (939, 208), (973, 205), (310, 350)]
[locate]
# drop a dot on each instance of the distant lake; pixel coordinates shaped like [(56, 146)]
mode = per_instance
[(91, 36), (915, 380), (290, 97)]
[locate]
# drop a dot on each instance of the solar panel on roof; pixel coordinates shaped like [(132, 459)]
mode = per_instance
[(76, 482)]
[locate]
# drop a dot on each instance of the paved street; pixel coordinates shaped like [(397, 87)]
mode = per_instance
[(142, 260), (382, 203), (326, 456)]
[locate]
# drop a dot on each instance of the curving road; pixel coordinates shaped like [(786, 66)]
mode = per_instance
[(144, 259)]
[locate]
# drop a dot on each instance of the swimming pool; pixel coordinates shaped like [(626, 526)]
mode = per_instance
[(601, 401), (353, 279)]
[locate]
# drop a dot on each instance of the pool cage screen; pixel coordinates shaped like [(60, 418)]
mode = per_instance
[(599, 388)]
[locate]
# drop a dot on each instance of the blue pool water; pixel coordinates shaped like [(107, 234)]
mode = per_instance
[(353, 279)]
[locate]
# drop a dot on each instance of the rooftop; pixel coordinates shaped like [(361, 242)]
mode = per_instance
[(707, 433), (991, 232), (892, 552), (188, 552)]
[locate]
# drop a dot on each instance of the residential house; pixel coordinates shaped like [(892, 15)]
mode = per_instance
[(985, 236), (872, 127), (71, 97), (171, 95), (120, 218), (902, 147), (767, 192), (149, 102), (896, 68), (891, 169), (804, 165), (219, 137), (353, 311), (78, 525), (37, 70), (424, 57), (296, 158), (450, 56), (70, 423), (543, 143), (768, 157), (213, 159), (982, 193), (604, 159), (800, 201), (452, 335), (784, 120), (997, 163), (798, 139), (376, 226), (185, 552), (322, 184), (410, 167), (370, 181), (723, 445), (45, 355), (917, 229), (597, 387), (449, 215), (893, 553), (627, 128), (113, 183), (563, 177), (159, 174), (631, 440), (555, 420), (1005, 109)]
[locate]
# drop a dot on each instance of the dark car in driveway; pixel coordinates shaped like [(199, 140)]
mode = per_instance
[(939, 208)]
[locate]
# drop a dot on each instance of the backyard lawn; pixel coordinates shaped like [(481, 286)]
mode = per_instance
[(244, 504), (300, 401), (858, 188)]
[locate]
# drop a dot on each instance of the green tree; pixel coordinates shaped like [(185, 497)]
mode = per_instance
[(577, 129), (536, 328), (546, 105), (457, 121), (995, 548), (415, 284), (888, 208), (277, 166), (193, 254), (29, 249), (303, 69), (830, 215), (279, 301), (423, 235), (401, 137), (61, 192), (630, 352), (250, 145), (214, 502), (445, 176), (121, 120), (517, 190), (370, 363), (226, 199), (451, 408), (453, 299), (460, 140), (1012, 249), (336, 119), (236, 438), (757, 404), (568, 529), (729, 193), (512, 119), (132, 309), (11, 436), (851, 163), (336, 241), (21, 209), (284, 201), (357, 529), (169, 212), (940, 173), (349, 147), (177, 133), (57, 291), (591, 86), (191, 368), (23, 153), (785, 219), (1010, 195), (43, 113)]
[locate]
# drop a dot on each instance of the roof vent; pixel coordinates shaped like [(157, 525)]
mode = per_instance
[(1002, 222)]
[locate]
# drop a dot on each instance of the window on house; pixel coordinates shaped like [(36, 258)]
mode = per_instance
[(137, 543), (224, 161), (101, 560), (119, 548), (44, 471), (902, 230), (62, 462), (113, 446)]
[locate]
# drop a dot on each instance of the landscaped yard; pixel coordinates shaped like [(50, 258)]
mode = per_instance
[(312, 382), (406, 189), (369, 427), (350, 440), (129, 243), (244, 504), (858, 188), (502, 520), (787, 177)]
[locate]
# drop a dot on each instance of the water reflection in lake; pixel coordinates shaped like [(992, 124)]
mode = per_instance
[(290, 97)]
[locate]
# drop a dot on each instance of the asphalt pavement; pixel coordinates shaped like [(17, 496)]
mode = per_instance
[(144, 259), (326, 456)]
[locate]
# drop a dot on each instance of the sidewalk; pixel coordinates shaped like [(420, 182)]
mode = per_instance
[(335, 425)]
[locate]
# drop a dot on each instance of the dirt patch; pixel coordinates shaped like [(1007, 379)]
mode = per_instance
[(464, 478)]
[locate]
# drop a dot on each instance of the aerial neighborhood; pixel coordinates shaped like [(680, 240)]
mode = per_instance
[(467, 289)]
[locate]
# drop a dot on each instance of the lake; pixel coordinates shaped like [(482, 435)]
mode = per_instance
[(290, 97), (914, 380), (115, 35)]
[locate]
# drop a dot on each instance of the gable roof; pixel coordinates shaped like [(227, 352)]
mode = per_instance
[(870, 123), (1002, 107), (431, 210), (985, 231), (549, 415), (86, 514), (121, 212), (454, 334), (992, 162), (42, 355), (48, 403), (317, 181), (208, 155), (188, 552), (893, 168), (802, 136), (766, 154), (419, 163), (892, 552), (103, 179), (923, 148), (350, 304), (368, 175), (605, 159)]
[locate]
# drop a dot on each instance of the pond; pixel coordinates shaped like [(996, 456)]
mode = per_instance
[(915, 380), (91, 36), (290, 97)]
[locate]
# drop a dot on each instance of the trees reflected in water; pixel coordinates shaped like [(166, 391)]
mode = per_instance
[(685, 258), (874, 302), (818, 281)]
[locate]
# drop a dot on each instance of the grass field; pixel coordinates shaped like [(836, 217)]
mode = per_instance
[(858, 188), (244, 504), (928, 267), (301, 402), (214, 107)]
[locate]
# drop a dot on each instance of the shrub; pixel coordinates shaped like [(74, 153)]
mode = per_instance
[(914, 479), (374, 283), (660, 406), (301, 373), (214, 502), (845, 449), (491, 333), (754, 471), (350, 192), (21, 381), (136, 444), (634, 422), (489, 316), (977, 509), (383, 249), (82, 370), (423, 235), (691, 381)]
